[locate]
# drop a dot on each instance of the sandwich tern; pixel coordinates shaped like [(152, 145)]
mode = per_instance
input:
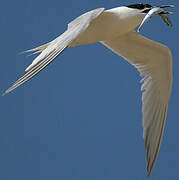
[(114, 28)]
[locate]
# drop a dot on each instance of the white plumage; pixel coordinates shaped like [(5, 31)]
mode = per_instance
[(114, 28)]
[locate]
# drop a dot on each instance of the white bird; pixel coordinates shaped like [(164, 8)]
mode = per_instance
[(114, 28)]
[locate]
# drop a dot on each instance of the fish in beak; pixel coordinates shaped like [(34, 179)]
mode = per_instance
[(157, 11)]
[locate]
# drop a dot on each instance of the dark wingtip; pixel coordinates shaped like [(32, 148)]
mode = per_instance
[(148, 174)]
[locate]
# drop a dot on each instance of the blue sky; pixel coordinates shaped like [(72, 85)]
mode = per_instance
[(81, 117)]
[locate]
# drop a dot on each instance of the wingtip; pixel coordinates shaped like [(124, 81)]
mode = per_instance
[(4, 93), (148, 174), (8, 91)]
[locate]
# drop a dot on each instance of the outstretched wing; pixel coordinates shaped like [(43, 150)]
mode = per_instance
[(154, 62), (51, 50)]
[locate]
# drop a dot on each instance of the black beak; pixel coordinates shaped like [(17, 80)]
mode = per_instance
[(164, 14), (166, 6)]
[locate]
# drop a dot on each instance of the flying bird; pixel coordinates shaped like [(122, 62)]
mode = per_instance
[(114, 28)]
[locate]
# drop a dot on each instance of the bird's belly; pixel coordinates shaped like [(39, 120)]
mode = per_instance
[(106, 26)]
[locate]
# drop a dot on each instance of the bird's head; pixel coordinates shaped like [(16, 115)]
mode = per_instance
[(149, 11)]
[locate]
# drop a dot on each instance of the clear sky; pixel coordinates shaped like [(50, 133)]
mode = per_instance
[(80, 118)]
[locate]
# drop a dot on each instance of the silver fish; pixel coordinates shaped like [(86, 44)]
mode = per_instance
[(157, 11)]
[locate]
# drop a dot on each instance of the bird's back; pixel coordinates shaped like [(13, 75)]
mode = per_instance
[(108, 25)]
